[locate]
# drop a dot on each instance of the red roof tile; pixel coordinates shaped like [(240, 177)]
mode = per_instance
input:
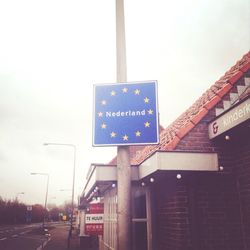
[(170, 137)]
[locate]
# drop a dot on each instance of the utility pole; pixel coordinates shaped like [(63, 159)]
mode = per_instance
[(123, 153)]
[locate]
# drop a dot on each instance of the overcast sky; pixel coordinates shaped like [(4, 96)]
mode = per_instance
[(53, 51)]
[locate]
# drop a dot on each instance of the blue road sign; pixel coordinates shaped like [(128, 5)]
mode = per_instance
[(125, 114)]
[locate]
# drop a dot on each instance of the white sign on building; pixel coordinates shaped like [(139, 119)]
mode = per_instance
[(94, 218), (230, 119)]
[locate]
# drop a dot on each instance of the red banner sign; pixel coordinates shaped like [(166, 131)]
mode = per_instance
[(94, 219), (96, 208), (94, 229)]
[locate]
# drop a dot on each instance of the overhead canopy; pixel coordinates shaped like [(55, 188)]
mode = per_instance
[(102, 176), (183, 161)]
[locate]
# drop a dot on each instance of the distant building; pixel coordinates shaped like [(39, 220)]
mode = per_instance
[(192, 191)]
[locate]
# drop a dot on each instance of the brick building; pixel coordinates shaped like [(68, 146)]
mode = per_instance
[(192, 190)]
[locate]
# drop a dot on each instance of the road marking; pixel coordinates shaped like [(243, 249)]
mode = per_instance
[(3, 238), (14, 236), (44, 244), (25, 232)]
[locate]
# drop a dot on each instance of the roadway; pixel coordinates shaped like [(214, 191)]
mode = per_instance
[(22, 237)]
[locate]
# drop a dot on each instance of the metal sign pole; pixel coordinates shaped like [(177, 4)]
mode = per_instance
[(123, 158)]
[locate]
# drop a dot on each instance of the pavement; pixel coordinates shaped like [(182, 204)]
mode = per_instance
[(58, 239)]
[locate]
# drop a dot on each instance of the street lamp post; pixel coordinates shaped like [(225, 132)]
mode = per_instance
[(46, 196), (73, 184), (15, 218)]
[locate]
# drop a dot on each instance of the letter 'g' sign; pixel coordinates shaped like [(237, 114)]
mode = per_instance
[(215, 128), (125, 114)]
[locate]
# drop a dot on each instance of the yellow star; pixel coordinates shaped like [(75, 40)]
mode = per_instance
[(125, 137), (103, 126), (100, 114), (113, 93), (113, 134), (137, 92), (150, 111), (104, 102), (137, 133), (147, 124), (146, 100), (125, 90)]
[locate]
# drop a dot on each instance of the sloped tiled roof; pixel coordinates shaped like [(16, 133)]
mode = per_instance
[(170, 137)]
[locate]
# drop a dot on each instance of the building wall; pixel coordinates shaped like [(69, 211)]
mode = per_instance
[(217, 214), (208, 211), (242, 172), (172, 227), (201, 211)]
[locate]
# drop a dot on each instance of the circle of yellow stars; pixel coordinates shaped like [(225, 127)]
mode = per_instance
[(137, 133)]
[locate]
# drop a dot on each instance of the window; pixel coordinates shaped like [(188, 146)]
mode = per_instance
[(110, 220), (141, 219)]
